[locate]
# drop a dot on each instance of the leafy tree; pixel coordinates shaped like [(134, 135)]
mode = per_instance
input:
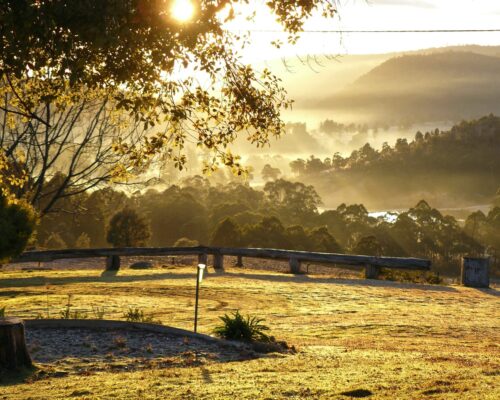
[(390, 176), (17, 222), (227, 234), (128, 229), (294, 201), (368, 245), (134, 50), (269, 232), (55, 242), (83, 241), (299, 240), (269, 173), (321, 240), (71, 152), (224, 210)]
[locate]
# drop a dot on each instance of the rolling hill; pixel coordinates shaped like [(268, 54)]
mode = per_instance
[(436, 86)]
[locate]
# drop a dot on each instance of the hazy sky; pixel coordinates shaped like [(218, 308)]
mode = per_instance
[(382, 14)]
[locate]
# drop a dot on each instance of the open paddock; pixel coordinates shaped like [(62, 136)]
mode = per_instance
[(355, 338)]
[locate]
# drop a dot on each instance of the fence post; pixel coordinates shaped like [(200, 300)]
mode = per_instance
[(239, 261), (371, 271), (294, 265), (202, 258), (218, 261), (475, 272), (112, 263)]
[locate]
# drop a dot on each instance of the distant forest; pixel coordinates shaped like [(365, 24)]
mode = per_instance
[(283, 214), (453, 168)]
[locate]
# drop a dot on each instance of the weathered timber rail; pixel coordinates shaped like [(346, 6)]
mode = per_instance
[(372, 264)]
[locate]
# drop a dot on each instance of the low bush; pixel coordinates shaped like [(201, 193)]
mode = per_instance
[(137, 315), (237, 327)]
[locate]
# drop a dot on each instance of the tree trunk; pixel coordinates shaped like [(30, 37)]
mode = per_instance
[(13, 351)]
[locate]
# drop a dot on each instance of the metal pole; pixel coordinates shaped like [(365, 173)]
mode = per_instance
[(196, 301)]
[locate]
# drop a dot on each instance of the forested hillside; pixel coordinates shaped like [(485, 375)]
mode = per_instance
[(283, 214), (423, 87), (454, 168)]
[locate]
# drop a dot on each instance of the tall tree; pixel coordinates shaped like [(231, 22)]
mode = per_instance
[(72, 152), (127, 229), (137, 49)]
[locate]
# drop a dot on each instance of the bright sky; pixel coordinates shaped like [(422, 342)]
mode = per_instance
[(380, 15)]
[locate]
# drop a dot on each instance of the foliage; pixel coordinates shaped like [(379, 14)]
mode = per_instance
[(460, 163), (83, 241), (87, 50), (69, 152), (368, 245), (237, 327), (294, 200), (138, 315), (226, 234), (128, 229), (68, 313), (17, 223), (184, 215), (269, 173), (98, 312), (432, 278), (55, 242), (2, 312)]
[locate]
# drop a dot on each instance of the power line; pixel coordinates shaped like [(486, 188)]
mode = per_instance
[(373, 31)]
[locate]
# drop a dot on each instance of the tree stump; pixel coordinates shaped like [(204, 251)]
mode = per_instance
[(475, 272), (13, 351)]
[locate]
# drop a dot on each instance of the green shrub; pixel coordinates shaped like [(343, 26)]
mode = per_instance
[(17, 223), (237, 327), (137, 315), (411, 276), (67, 313), (2, 312), (128, 229), (55, 242), (98, 312), (83, 241)]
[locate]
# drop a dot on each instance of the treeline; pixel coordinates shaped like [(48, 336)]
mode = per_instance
[(462, 162), (282, 215)]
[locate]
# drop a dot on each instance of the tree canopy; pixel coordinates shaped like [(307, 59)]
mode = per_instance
[(185, 78)]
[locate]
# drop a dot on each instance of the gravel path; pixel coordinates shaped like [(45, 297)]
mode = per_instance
[(90, 350)]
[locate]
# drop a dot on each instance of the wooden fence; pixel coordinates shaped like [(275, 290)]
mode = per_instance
[(371, 264)]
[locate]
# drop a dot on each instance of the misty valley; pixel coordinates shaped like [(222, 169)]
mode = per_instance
[(225, 199)]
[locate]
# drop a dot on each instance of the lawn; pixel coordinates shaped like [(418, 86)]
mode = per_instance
[(356, 338)]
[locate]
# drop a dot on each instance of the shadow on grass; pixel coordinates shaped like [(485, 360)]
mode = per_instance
[(338, 281), (10, 378), (489, 291), (112, 277), (103, 278)]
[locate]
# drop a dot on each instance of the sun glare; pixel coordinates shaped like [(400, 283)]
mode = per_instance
[(182, 10)]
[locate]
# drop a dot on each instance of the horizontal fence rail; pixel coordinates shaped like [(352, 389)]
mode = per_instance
[(372, 264)]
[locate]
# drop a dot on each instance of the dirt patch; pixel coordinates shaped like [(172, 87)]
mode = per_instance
[(83, 350)]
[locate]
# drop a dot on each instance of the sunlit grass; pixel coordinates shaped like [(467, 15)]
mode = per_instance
[(392, 340)]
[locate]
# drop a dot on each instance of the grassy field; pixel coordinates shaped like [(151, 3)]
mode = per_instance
[(356, 338)]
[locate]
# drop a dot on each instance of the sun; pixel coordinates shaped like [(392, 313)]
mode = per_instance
[(182, 10)]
